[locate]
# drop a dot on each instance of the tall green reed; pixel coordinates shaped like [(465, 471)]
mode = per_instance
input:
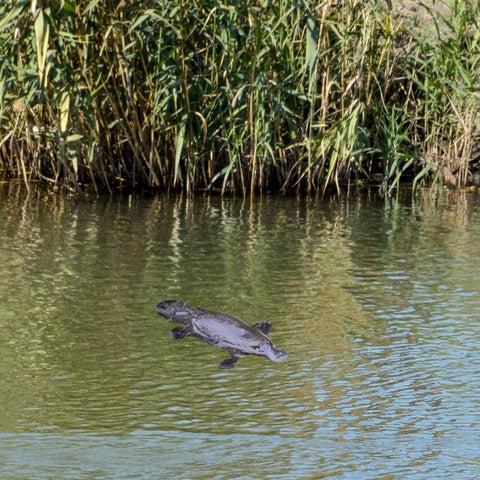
[(237, 97), (444, 99)]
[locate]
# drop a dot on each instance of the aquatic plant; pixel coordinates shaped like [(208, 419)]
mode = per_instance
[(244, 97)]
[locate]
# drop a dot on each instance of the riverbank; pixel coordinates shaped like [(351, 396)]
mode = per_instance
[(239, 98)]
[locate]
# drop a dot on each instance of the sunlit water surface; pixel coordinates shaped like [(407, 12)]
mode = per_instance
[(377, 304)]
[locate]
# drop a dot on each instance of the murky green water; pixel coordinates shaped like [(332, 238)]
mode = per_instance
[(377, 305)]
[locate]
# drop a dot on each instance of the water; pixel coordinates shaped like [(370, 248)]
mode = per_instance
[(377, 305)]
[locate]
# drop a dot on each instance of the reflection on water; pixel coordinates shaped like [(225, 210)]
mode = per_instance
[(377, 305)]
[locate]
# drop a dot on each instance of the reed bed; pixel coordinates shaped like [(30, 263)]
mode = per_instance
[(240, 97)]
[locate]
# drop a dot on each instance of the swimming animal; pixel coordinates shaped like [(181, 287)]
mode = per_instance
[(221, 330)]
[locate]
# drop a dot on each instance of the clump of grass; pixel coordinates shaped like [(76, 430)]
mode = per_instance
[(243, 97), (445, 75)]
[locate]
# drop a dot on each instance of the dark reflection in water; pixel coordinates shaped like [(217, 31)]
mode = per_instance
[(377, 305)]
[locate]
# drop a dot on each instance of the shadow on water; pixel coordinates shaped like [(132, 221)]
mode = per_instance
[(377, 305)]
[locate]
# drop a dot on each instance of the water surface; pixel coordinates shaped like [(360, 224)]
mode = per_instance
[(377, 304)]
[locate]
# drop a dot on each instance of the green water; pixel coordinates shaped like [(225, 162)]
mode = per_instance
[(377, 305)]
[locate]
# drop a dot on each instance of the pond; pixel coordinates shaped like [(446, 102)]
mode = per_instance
[(376, 302)]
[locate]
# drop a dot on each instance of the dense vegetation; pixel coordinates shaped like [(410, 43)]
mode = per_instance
[(239, 97)]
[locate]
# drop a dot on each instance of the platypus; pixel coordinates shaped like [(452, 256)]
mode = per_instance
[(221, 330)]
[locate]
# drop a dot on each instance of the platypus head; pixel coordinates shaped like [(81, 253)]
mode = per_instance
[(269, 350), (176, 311)]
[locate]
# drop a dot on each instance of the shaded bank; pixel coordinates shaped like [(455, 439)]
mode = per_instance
[(189, 96)]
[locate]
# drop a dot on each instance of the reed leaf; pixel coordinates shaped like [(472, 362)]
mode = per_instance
[(42, 36)]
